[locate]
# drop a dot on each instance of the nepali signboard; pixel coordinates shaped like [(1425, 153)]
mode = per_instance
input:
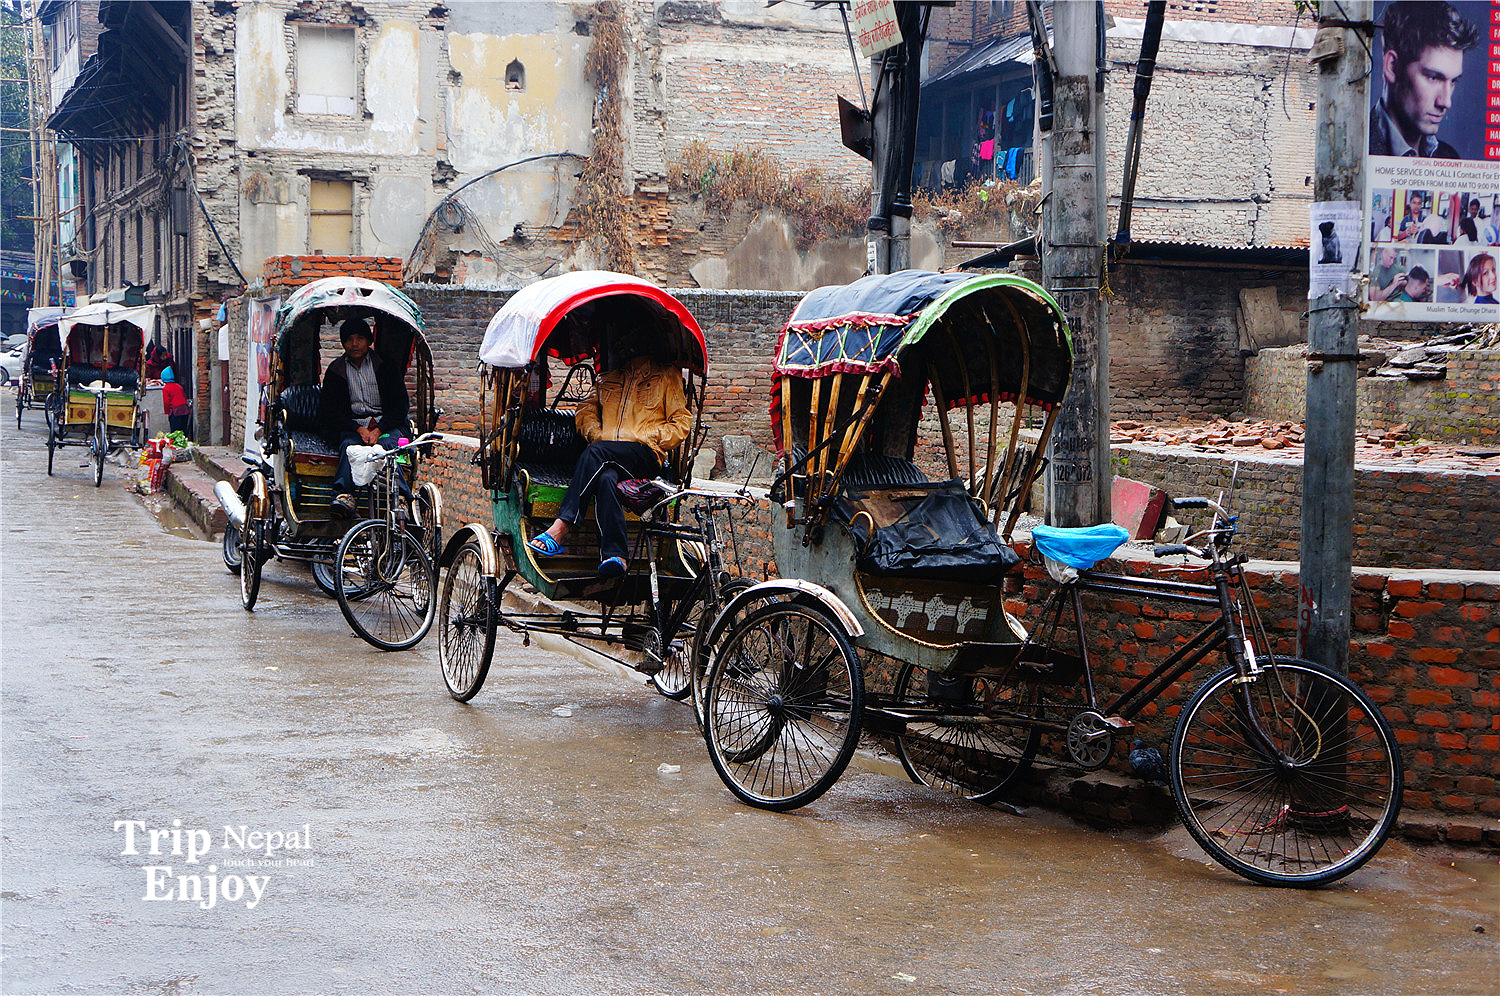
[(1432, 178), (875, 27)]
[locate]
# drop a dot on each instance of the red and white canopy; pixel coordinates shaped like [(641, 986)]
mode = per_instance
[(579, 315)]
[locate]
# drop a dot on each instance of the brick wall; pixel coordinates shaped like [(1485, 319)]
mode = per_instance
[(1412, 518), (1463, 407)]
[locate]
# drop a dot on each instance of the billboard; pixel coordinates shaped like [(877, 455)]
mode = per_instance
[(1432, 176)]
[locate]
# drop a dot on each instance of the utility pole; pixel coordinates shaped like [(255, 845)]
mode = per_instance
[(898, 92), (1333, 346), (1071, 245)]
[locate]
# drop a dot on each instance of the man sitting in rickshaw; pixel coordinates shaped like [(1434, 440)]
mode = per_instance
[(635, 415), (363, 402)]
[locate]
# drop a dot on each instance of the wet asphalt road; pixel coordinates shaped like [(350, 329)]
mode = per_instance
[(502, 847)]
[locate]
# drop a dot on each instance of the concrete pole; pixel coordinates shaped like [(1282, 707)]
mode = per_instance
[(894, 139), (1333, 347), (1072, 247)]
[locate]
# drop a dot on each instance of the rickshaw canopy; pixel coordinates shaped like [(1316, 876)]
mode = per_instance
[(141, 319), (571, 317), (103, 314), (37, 318), (866, 326), (351, 292)]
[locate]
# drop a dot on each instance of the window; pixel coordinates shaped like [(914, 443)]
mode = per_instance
[(515, 75), (330, 223), (141, 248), (327, 78)]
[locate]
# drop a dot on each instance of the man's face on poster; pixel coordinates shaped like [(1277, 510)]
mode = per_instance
[(1422, 90), (1416, 288)]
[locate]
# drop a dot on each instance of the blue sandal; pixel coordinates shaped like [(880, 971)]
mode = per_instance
[(544, 544), (612, 567)]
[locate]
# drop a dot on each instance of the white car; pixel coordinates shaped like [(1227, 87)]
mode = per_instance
[(10, 364)]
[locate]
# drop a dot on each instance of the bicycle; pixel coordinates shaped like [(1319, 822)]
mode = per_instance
[(1282, 770), (385, 578)]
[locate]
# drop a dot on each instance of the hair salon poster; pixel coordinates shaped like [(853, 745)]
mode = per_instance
[(1432, 177)]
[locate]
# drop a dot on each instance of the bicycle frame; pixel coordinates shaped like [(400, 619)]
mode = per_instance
[(1227, 631)]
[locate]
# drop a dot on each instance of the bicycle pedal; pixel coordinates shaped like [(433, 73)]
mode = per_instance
[(1119, 722)]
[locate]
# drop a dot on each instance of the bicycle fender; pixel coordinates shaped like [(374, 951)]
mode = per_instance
[(488, 558), (779, 587)]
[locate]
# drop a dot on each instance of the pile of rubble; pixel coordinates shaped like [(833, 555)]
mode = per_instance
[(1425, 360), (1396, 446), (1219, 434)]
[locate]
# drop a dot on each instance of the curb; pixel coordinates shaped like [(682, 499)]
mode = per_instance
[(192, 489)]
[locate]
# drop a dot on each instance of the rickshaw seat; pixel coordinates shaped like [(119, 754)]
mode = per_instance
[(310, 451), (547, 448), (81, 374), (878, 471)]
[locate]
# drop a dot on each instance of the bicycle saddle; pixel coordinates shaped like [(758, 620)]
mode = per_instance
[(1081, 547)]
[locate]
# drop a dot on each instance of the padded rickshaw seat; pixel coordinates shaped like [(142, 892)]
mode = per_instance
[(548, 446), (934, 532), (118, 378), (873, 471), (299, 407)]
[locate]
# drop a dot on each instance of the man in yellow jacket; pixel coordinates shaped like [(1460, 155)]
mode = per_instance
[(632, 419)]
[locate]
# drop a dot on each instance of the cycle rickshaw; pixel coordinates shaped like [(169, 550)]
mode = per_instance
[(97, 392), (41, 360), (644, 622), (912, 412), (281, 507)]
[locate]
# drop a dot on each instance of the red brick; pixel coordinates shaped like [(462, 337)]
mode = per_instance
[(1381, 651), (1417, 610), (1406, 736), (1482, 592), (1445, 590), (1429, 718), (1452, 741), (1407, 588), (1144, 631), (1400, 630), (1457, 804), (1426, 697), (1436, 655), (1453, 677)]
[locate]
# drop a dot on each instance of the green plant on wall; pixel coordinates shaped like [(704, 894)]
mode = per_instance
[(603, 217), (820, 206)]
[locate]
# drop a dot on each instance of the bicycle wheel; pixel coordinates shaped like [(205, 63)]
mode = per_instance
[(233, 558), (385, 585), (252, 557), (324, 577), (674, 680), (782, 706), (969, 735), (100, 445), (700, 654), (466, 626), (1290, 778)]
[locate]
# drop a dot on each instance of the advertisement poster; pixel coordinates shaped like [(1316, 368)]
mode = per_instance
[(1432, 177), (262, 325)]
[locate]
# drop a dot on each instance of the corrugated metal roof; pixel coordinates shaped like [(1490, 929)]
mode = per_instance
[(995, 53)]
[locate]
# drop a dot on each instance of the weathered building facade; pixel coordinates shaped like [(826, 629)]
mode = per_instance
[(215, 135)]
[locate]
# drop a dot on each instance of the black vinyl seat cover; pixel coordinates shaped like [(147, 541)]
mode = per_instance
[(116, 377), (941, 537), (299, 406), (548, 446)]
